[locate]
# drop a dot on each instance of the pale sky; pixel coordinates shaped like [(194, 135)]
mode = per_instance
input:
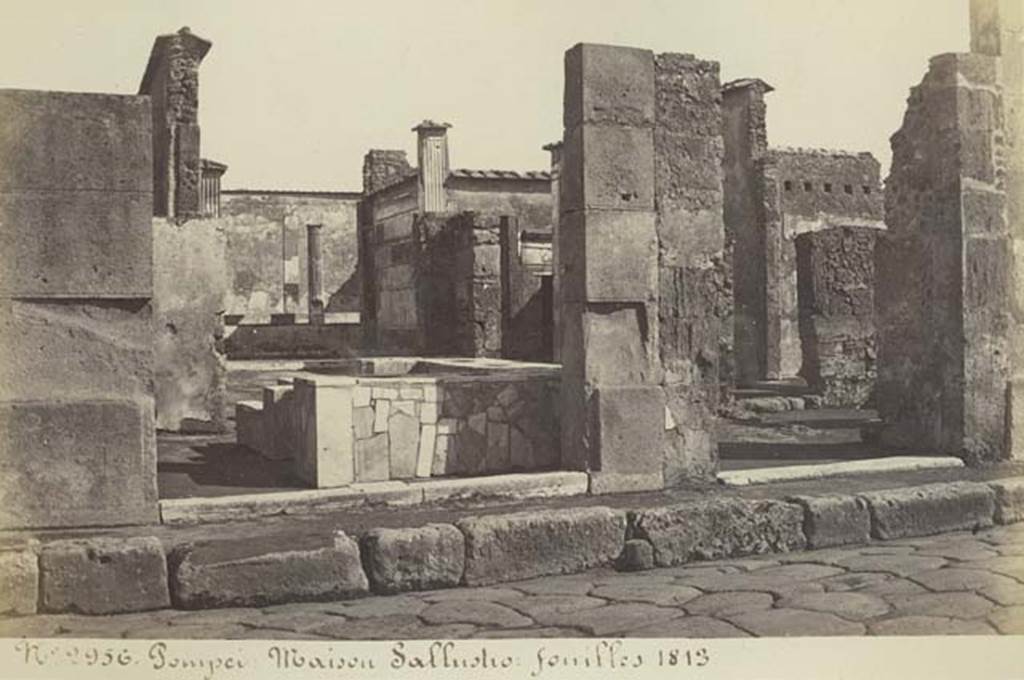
[(293, 93)]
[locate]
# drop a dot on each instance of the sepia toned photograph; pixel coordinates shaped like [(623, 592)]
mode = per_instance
[(452, 321)]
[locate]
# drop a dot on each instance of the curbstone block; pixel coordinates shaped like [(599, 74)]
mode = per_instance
[(433, 556), (249, 425), (540, 543), (930, 509), (19, 582), (835, 520), (725, 527), (1009, 500), (103, 576), (274, 570)]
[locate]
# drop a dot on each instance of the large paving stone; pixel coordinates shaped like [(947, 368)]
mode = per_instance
[(930, 509), (901, 565), (725, 603), (782, 580), (1009, 500), (794, 622), (19, 582), (718, 528), (930, 625), (475, 612), (103, 575), (693, 627), (1008, 621), (852, 606), (614, 619), (433, 556), (950, 579), (275, 569), (953, 605), (528, 544), (665, 594), (835, 520), (391, 628), (540, 607)]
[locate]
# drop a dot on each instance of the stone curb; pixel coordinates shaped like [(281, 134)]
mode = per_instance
[(108, 575)]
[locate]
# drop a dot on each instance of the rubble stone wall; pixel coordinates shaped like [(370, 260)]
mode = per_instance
[(836, 274)]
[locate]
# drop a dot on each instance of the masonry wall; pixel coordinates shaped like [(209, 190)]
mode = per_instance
[(266, 246), (77, 440), (836, 274), (190, 290), (812, 190), (944, 267)]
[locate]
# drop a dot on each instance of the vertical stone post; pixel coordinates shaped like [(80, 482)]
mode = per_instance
[(432, 156), (612, 406), (172, 82), (997, 30), (944, 267), (314, 270), (555, 149), (645, 285), (745, 136)]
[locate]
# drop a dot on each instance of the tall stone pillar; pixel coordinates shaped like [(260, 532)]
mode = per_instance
[(555, 149), (640, 227), (314, 271), (944, 268), (432, 156), (77, 434), (745, 136), (997, 30), (172, 82)]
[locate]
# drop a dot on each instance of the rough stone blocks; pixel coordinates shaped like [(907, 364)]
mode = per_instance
[(528, 544), (414, 559), (324, 454), (19, 582), (77, 463), (1015, 415), (629, 426), (103, 576), (75, 195), (1009, 500), (611, 256), (930, 509), (246, 573), (835, 520), (725, 527), (609, 84)]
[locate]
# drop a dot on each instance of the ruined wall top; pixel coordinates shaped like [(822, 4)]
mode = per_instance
[(383, 168), (815, 181), (180, 54)]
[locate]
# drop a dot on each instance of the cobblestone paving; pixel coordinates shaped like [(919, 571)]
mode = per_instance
[(959, 583)]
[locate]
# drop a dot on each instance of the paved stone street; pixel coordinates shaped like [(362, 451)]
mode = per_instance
[(957, 583)]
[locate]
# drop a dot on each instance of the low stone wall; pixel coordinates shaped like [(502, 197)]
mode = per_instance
[(465, 421), (300, 341)]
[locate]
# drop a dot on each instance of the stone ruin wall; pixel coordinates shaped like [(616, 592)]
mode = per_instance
[(945, 266), (811, 190), (837, 327)]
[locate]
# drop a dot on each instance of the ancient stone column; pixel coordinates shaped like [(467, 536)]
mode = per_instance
[(944, 268), (432, 156), (640, 242), (745, 136), (997, 30), (314, 273), (555, 149), (172, 82)]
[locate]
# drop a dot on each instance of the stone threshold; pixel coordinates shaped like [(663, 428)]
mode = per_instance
[(792, 473), (389, 493), (106, 575)]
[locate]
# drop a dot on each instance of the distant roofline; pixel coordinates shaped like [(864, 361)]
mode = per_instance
[(353, 195), (808, 151)]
